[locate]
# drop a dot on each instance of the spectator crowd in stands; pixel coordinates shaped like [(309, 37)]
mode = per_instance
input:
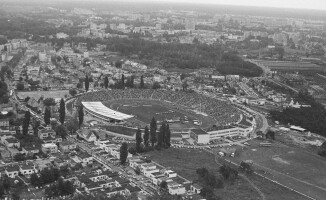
[(222, 111)]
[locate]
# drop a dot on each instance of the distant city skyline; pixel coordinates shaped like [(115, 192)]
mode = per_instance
[(297, 4)]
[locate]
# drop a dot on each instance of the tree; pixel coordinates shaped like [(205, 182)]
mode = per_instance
[(164, 185), (2, 190), (81, 115), (228, 173), (280, 51), (123, 153), (130, 82), (245, 167), (86, 83), (35, 180), (26, 122), (20, 86), (47, 116), (182, 76), (153, 128), (72, 125), (62, 111), (138, 140), (49, 102), (142, 86), (3, 92), (118, 64), (137, 170), (35, 125), (156, 85), (19, 157), (270, 135), (6, 183), (184, 86), (168, 136), (146, 137), (72, 92), (61, 131), (122, 81), (106, 82), (79, 85), (161, 135)]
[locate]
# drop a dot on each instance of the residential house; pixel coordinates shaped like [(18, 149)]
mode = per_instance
[(12, 142), (170, 173), (27, 169), (4, 123), (12, 171), (67, 146), (49, 148), (85, 158), (177, 190), (195, 188), (31, 149), (45, 133)]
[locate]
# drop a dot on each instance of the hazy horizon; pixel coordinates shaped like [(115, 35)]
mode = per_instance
[(292, 4), (295, 4)]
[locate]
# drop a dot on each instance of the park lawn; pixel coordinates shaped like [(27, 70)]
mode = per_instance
[(186, 161)]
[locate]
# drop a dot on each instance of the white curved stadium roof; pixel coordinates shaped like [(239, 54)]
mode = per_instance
[(101, 109)]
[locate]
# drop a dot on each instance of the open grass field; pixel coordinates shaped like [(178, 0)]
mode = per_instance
[(145, 110), (186, 161), (290, 166), (45, 94)]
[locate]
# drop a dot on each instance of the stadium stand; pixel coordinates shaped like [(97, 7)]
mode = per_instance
[(222, 111)]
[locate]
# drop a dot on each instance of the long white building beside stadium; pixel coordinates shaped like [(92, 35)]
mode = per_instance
[(98, 110)]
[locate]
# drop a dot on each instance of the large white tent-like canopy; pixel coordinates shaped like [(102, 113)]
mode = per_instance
[(100, 110)]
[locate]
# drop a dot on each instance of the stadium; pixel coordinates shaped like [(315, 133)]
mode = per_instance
[(134, 108)]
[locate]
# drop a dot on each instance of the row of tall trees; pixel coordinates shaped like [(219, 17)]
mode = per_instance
[(130, 82), (152, 137)]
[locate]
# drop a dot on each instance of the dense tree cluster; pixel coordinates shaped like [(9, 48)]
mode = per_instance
[(4, 186), (228, 173), (46, 176), (270, 135), (73, 92), (209, 182), (311, 118), (60, 188), (61, 131)]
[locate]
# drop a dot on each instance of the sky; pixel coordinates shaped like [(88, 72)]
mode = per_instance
[(301, 4)]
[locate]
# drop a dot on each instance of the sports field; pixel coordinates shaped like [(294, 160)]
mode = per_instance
[(146, 110)]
